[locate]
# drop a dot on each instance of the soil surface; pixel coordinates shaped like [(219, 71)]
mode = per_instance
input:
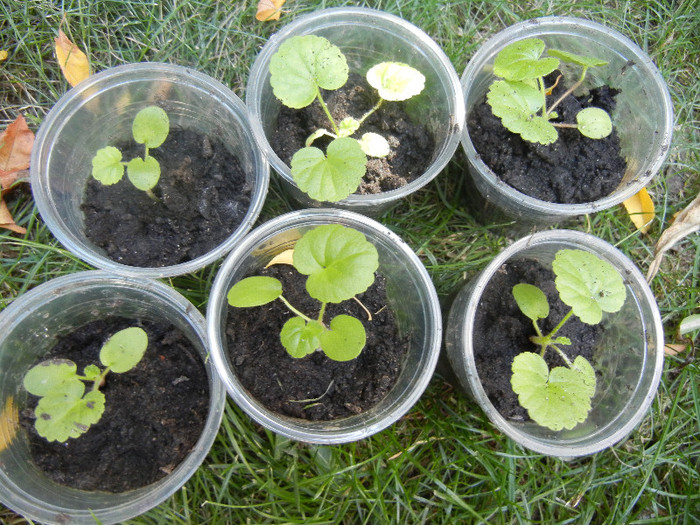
[(412, 144), (573, 170), (314, 387), (204, 197), (501, 331), (154, 414)]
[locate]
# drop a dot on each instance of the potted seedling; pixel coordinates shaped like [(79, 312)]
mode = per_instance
[(110, 401), (148, 169), (355, 107), (559, 340), (324, 326), (565, 117)]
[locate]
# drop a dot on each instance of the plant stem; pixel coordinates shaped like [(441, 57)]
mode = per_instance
[(153, 197), (568, 91), (563, 356), (325, 109), (100, 380), (375, 108), (561, 323), (322, 312), (294, 310)]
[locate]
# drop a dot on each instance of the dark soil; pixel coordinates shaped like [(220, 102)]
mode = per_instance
[(204, 197), (339, 389), (154, 414), (573, 170), (501, 332), (412, 145)]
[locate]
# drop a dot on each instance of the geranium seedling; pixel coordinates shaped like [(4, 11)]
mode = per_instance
[(340, 263), (303, 66), (150, 128), (520, 99), (65, 410), (561, 397)]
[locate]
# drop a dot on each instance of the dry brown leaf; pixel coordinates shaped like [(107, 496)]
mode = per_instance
[(9, 423), (640, 208), (687, 222), (269, 10), (73, 62), (6, 220), (674, 349), (15, 150)]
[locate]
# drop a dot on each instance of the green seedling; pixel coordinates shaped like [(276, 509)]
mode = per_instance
[(561, 397), (150, 128), (65, 410), (520, 99), (340, 263), (303, 66)]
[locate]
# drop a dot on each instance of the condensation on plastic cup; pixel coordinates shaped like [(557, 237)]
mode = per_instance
[(643, 117), (628, 362), (28, 330), (366, 37), (411, 296), (98, 112)]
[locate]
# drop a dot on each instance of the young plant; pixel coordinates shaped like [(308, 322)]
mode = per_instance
[(150, 128), (65, 410), (561, 397), (520, 99), (303, 66), (340, 263)]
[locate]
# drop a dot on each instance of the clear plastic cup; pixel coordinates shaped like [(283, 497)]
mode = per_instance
[(366, 37), (628, 360), (643, 117), (99, 111), (28, 330), (411, 296)]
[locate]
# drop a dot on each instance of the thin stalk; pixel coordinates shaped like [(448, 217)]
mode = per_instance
[(375, 108), (326, 111), (568, 91), (563, 356), (294, 310)]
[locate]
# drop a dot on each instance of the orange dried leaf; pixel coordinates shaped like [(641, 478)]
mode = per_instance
[(640, 208), (269, 10), (73, 62), (6, 220), (15, 150), (674, 349)]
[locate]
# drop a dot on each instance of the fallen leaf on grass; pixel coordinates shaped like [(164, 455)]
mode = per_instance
[(674, 349), (687, 222), (73, 62), (6, 220), (3, 54), (15, 150), (269, 10), (640, 208)]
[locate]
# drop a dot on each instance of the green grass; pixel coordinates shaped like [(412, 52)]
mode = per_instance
[(443, 462)]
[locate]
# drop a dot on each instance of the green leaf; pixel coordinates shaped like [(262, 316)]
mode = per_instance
[(594, 123), (53, 375), (347, 127), (63, 416), (333, 177), (143, 173), (92, 372), (521, 61), (531, 300), (588, 284), (151, 126), (302, 65), (107, 165), (573, 58), (317, 134), (557, 399), (254, 291), (689, 324), (345, 339), (396, 81), (339, 261), (124, 350), (517, 104), (300, 338), (374, 145)]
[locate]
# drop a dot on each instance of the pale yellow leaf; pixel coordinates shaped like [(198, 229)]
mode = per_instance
[(3, 54), (269, 10), (9, 423), (285, 257), (73, 62), (640, 208)]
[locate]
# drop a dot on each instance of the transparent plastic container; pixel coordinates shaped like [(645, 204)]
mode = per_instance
[(99, 112), (411, 296), (366, 37), (628, 360), (28, 330), (643, 117)]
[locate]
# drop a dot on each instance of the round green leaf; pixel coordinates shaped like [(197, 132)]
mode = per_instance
[(151, 126), (107, 165), (588, 284), (124, 350), (345, 339), (302, 65), (254, 291), (61, 417), (521, 61), (347, 127), (143, 173), (300, 338), (339, 261), (573, 58), (594, 123), (395, 81), (333, 177), (53, 376), (531, 300), (374, 145), (92, 372)]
